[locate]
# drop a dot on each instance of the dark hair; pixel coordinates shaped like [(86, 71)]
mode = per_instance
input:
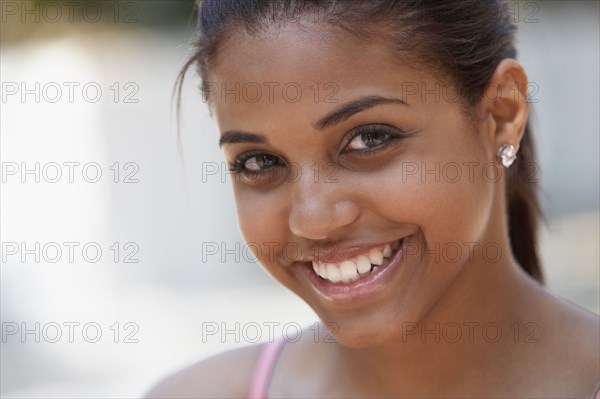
[(465, 40)]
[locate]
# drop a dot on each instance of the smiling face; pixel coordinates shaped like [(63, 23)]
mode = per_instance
[(343, 153)]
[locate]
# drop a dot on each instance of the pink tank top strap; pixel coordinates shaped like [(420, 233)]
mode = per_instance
[(264, 368), (597, 391)]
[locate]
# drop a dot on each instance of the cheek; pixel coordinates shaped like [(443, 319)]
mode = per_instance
[(453, 212), (254, 216), (263, 223), (446, 194)]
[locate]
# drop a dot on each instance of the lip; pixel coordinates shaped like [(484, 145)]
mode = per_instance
[(361, 290), (336, 255)]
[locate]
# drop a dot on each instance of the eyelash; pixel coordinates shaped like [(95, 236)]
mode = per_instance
[(238, 165), (387, 130)]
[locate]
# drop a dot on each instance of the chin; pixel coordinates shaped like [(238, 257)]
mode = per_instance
[(381, 330)]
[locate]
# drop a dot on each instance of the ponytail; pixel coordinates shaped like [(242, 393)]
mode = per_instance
[(524, 211)]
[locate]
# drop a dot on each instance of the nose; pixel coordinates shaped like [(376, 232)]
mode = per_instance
[(320, 207)]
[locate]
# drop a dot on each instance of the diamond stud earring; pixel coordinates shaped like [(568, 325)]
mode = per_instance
[(507, 154)]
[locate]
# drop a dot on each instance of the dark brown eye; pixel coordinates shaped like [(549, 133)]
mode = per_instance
[(368, 140), (255, 163), (370, 137), (260, 162)]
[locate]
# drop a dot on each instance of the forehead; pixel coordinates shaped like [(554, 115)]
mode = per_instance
[(308, 69)]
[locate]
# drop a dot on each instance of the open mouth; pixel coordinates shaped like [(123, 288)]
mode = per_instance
[(358, 267)]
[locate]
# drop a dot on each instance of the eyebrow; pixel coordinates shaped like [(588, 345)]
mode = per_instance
[(341, 114), (235, 136), (354, 107)]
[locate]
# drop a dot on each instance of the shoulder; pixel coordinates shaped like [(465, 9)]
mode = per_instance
[(224, 375), (572, 347), (579, 331)]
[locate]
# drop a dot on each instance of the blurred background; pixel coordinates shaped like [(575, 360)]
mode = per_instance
[(138, 291)]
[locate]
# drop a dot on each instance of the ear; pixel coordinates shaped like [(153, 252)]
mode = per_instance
[(505, 104)]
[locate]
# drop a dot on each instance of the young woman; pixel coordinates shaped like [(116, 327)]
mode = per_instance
[(374, 148)]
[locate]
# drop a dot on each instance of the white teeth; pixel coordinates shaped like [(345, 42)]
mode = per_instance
[(376, 256), (333, 273), (387, 251), (348, 270), (318, 268), (363, 265), (353, 269), (322, 270)]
